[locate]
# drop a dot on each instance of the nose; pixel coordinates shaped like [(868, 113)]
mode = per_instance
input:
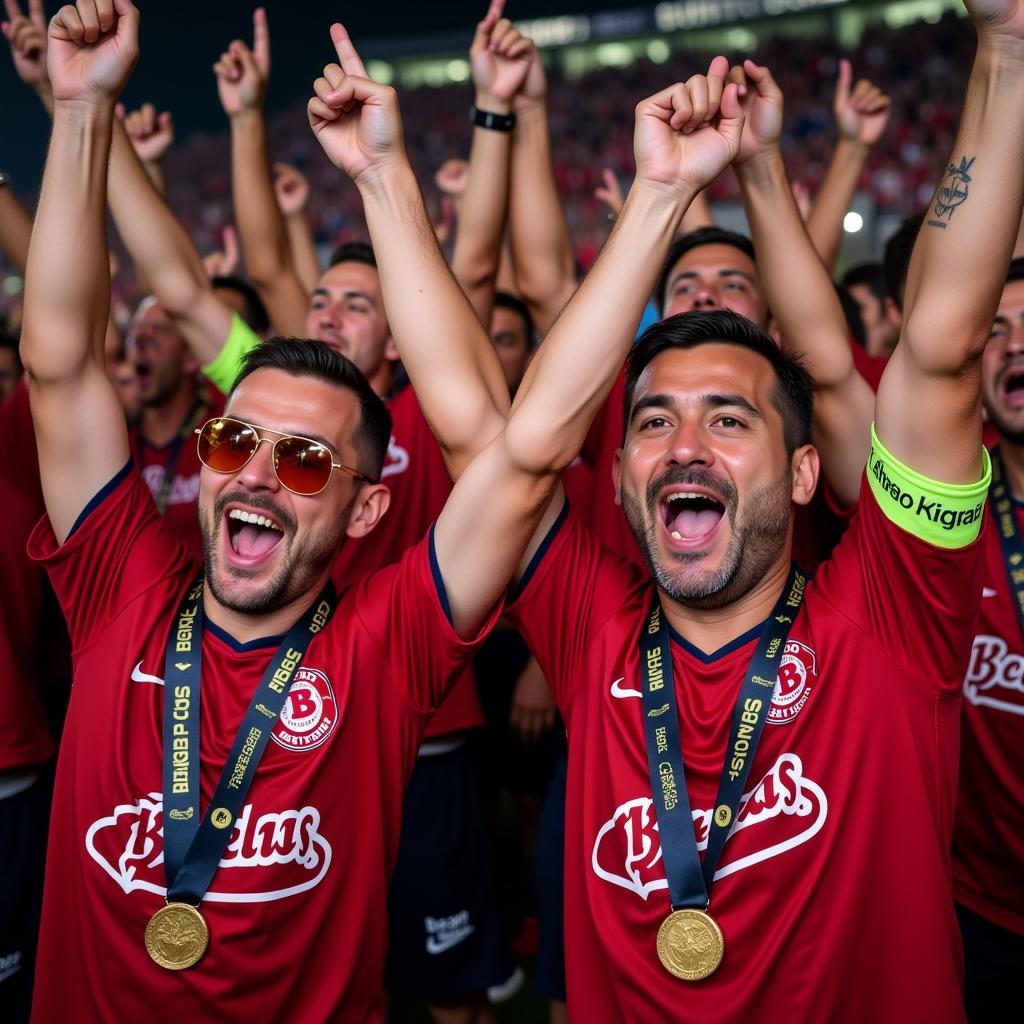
[(1015, 342), (706, 297), (689, 446), (258, 473)]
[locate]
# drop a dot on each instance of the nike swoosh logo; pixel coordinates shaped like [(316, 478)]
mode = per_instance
[(439, 943), (622, 691), (138, 676), (988, 592)]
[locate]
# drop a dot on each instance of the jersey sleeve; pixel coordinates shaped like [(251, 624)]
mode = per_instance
[(571, 589), (117, 550), (404, 608), (908, 570), (241, 340)]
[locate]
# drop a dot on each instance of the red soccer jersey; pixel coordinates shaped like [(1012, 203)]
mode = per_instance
[(833, 891), (181, 513), (25, 638), (418, 479), (297, 910), (988, 842)]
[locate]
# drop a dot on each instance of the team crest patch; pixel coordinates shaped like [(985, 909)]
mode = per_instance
[(793, 686), (309, 715)]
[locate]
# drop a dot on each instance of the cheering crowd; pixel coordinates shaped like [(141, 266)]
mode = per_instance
[(754, 533)]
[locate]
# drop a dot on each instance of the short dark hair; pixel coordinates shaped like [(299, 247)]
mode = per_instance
[(896, 259), (353, 252), (1016, 271), (316, 359), (693, 240), (504, 300), (794, 392), (866, 275), (254, 313)]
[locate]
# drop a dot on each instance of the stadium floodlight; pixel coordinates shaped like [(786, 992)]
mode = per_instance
[(853, 222)]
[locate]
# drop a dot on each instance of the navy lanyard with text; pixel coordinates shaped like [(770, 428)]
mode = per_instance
[(685, 951), (193, 847), (1009, 535)]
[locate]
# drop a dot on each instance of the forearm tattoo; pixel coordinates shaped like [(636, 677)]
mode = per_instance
[(952, 193)]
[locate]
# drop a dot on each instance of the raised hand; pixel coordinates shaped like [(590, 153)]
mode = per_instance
[(761, 100), (223, 262), (27, 37), (610, 192), (291, 188), (151, 134), (451, 177), (863, 113), (355, 119), (500, 57), (1003, 18), (242, 74), (93, 46), (688, 134), (534, 91)]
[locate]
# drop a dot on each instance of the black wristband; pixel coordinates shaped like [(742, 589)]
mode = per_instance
[(489, 119)]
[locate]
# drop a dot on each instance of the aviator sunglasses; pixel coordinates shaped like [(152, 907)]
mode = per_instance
[(303, 466)]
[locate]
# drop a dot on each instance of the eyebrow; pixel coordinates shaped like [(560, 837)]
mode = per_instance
[(724, 272), (713, 400), (350, 294)]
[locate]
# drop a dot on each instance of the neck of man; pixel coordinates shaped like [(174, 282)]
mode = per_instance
[(248, 626), (161, 423), (1012, 454), (710, 629), (382, 378)]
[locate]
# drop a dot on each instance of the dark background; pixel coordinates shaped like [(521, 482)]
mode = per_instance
[(181, 39)]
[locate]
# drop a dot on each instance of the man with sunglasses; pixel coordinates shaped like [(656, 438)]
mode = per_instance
[(228, 799)]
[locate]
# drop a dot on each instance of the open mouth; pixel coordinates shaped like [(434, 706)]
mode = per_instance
[(1013, 386), (690, 517), (252, 536)]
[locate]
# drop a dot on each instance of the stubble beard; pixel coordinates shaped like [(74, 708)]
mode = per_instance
[(754, 545)]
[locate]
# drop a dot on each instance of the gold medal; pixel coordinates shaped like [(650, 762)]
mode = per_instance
[(176, 936), (690, 944)]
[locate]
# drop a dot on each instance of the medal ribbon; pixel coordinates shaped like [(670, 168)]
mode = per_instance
[(689, 881), (1009, 536), (193, 848)]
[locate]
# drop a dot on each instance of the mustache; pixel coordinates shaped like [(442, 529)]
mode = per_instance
[(282, 515), (692, 476)]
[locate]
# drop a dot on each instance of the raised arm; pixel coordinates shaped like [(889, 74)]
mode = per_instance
[(291, 187), (499, 61), (27, 36), (928, 413), (80, 429), (444, 347), (152, 135), (800, 293), (15, 228), (685, 136), (542, 252), (242, 76), (163, 253), (861, 116)]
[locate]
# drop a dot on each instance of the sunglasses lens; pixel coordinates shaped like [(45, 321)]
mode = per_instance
[(302, 466), (226, 445)]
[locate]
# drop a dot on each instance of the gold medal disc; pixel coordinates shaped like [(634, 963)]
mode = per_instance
[(690, 944), (177, 936)]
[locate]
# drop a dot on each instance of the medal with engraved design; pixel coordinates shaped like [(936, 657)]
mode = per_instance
[(690, 944), (177, 936)]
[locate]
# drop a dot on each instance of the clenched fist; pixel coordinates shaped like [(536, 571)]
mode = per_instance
[(93, 46)]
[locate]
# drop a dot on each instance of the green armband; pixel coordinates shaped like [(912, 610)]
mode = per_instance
[(946, 515), (241, 340)]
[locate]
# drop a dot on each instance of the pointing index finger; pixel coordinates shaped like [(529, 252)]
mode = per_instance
[(260, 37), (349, 60)]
